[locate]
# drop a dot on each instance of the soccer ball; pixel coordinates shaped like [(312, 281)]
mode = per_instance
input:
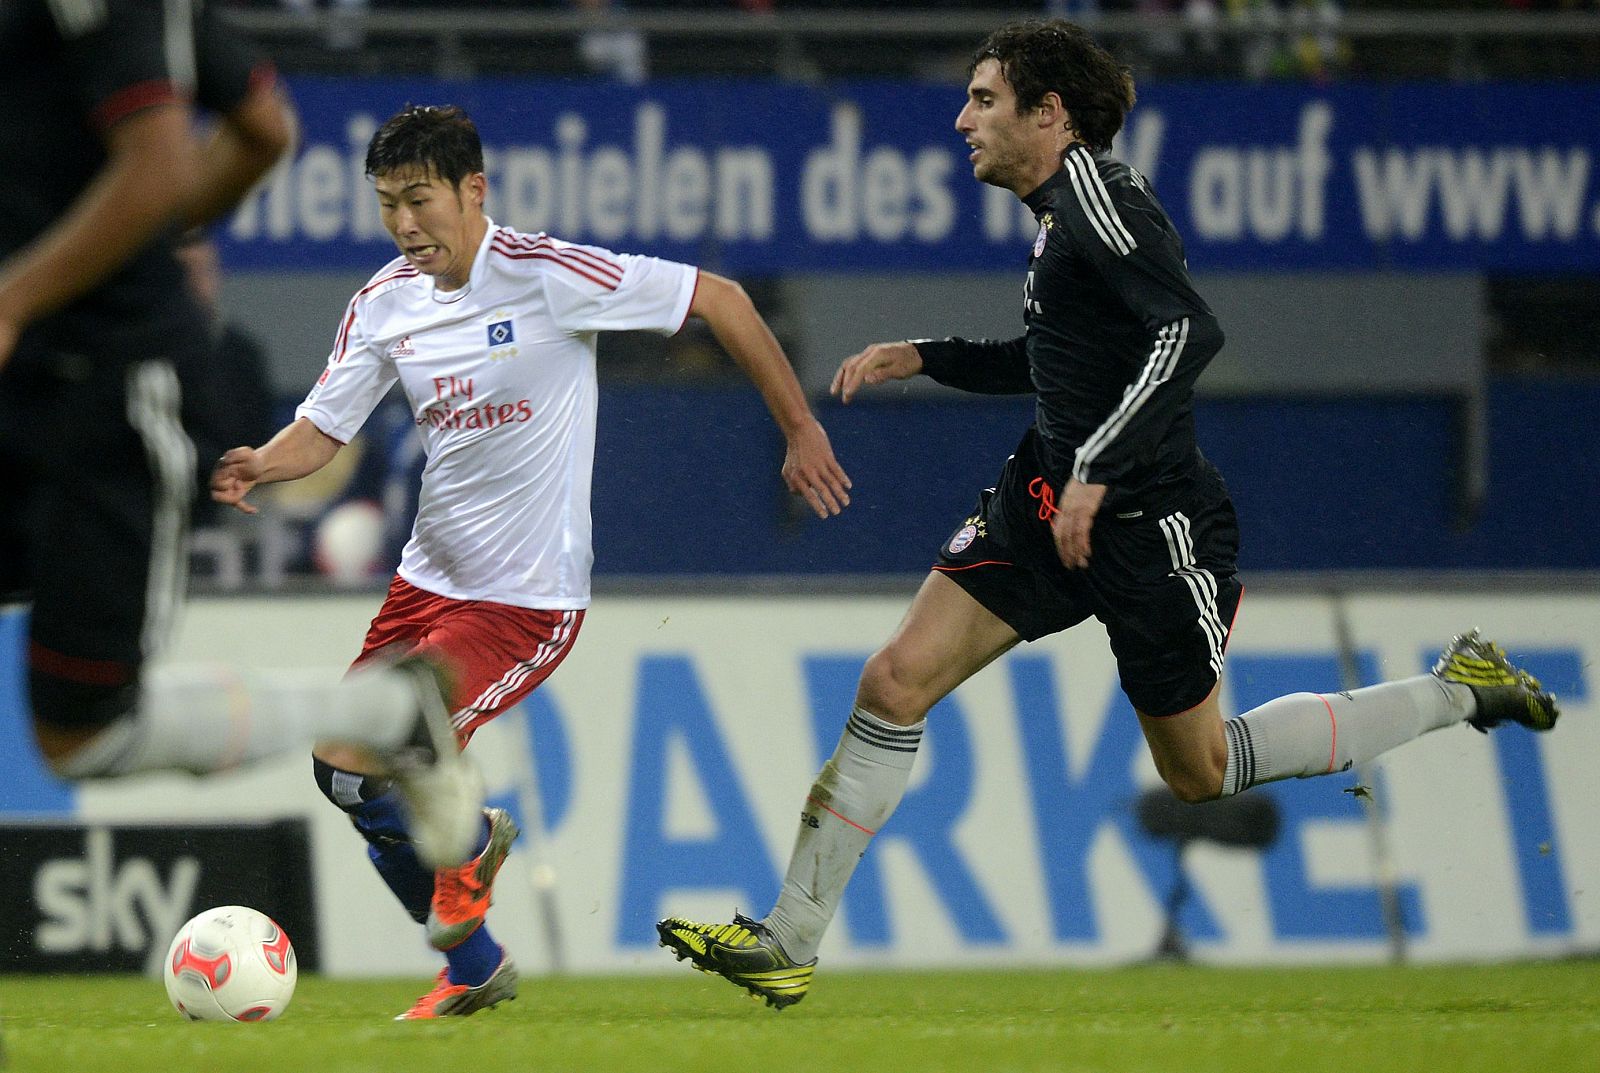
[(231, 963)]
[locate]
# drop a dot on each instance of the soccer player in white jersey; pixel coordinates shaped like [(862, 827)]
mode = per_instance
[(491, 334)]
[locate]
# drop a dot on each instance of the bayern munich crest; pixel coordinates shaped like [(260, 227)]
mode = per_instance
[(963, 540)]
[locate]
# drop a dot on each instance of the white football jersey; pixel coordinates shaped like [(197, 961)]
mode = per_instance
[(500, 376)]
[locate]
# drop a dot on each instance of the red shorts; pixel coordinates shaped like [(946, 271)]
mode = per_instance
[(498, 653)]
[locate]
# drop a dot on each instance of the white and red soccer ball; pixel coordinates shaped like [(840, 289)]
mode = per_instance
[(231, 963)]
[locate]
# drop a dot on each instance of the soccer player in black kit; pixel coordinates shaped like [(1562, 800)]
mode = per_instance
[(1107, 509), (100, 343)]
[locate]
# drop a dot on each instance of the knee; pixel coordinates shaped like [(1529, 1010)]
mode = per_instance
[(1193, 780), (891, 689), (87, 707), (341, 787), (1194, 791), (68, 716), (367, 799)]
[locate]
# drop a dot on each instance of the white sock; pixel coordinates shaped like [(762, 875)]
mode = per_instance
[(855, 793), (1306, 734), (205, 719)]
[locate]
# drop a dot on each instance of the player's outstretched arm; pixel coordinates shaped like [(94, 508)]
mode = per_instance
[(298, 450), (809, 468), (874, 365), (149, 173)]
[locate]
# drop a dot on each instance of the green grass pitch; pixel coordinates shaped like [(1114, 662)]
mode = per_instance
[(1522, 1018)]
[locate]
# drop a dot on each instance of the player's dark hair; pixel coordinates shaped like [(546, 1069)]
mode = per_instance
[(1042, 56), (440, 139)]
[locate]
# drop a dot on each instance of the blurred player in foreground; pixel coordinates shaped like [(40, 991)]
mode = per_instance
[(99, 342), (1107, 509), (491, 334)]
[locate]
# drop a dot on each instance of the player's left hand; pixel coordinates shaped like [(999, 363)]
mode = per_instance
[(1073, 520), (811, 471), (234, 474)]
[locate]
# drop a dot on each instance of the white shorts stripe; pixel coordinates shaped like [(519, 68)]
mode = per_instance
[(1202, 583), (154, 397), (74, 18), (1210, 620), (178, 42), (547, 652)]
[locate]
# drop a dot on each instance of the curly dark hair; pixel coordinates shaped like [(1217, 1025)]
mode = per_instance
[(442, 139), (1042, 56)]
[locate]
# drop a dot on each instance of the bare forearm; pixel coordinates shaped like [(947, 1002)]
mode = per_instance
[(143, 186), (809, 467), (745, 336), (298, 450)]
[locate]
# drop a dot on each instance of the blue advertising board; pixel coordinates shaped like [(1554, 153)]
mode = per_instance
[(683, 724), (763, 177)]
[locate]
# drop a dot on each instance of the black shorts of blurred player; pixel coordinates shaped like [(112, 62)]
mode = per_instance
[(1163, 582), (97, 481)]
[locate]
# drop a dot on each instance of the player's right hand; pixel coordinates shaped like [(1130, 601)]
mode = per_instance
[(235, 473), (874, 365)]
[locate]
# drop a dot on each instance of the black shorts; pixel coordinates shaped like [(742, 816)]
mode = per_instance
[(1164, 584), (97, 479)]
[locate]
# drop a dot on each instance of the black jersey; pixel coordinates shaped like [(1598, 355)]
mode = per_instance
[(69, 70), (1115, 336)]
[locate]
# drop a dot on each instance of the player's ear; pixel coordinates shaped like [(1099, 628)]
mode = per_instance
[(1051, 112), (476, 187)]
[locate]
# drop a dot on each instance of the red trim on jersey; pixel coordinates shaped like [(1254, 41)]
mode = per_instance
[(406, 272), (130, 99), (344, 333), (588, 258), (94, 672), (592, 277), (594, 260), (581, 253), (972, 566), (692, 295)]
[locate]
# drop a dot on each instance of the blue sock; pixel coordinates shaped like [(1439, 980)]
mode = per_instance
[(382, 822), (474, 961)]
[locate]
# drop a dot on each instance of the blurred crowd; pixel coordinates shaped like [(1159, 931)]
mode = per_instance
[(1253, 39)]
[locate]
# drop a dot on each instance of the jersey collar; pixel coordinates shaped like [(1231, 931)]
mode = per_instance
[(473, 276), (1044, 196)]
